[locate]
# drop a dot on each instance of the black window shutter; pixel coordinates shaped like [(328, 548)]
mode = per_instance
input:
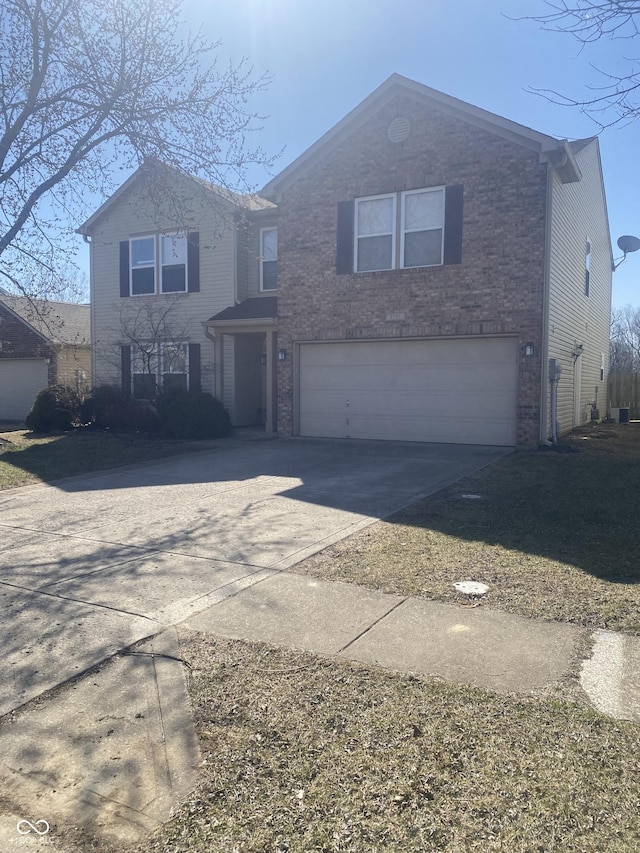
[(193, 261), (194, 368), (125, 361), (124, 268), (344, 242), (453, 225)]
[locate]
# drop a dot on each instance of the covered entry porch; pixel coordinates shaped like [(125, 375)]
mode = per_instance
[(245, 340)]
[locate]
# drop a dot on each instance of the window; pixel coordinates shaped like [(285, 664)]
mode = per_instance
[(160, 263), (159, 366), (375, 233), (143, 265), (587, 271), (174, 263), (422, 228), (415, 216), (174, 360), (268, 258)]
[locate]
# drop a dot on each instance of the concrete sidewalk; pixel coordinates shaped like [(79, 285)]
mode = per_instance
[(114, 751)]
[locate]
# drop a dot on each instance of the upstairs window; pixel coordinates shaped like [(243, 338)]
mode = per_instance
[(160, 263), (402, 230), (173, 273), (375, 233), (268, 258), (422, 228), (587, 270), (143, 265)]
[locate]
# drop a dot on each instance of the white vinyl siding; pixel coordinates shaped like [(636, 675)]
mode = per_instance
[(134, 215), (579, 218)]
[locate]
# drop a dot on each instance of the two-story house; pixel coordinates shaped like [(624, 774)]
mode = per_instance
[(426, 271)]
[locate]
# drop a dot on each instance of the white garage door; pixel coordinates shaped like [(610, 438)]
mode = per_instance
[(20, 381), (459, 391)]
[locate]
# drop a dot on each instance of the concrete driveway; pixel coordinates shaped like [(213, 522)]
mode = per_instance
[(92, 564)]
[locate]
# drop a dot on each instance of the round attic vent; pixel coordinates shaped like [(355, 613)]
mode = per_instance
[(399, 129)]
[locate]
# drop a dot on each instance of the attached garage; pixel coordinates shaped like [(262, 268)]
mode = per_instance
[(20, 381), (461, 391)]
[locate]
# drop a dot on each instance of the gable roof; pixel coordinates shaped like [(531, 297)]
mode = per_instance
[(556, 151), (248, 202), (56, 322)]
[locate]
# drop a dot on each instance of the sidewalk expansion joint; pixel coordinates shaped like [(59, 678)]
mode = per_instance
[(78, 601), (373, 625)]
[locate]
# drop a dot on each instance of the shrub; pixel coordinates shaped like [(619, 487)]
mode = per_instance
[(108, 408), (55, 408), (188, 414)]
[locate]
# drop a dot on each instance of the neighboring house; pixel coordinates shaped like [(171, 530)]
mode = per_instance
[(41, 343), (426, 271)]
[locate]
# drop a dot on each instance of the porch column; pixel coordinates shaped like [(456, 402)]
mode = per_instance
[(271, 385), (218, 367)]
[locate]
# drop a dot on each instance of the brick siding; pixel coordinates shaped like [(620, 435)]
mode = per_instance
[(496, 290)]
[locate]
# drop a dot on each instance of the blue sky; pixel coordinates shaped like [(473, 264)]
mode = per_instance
[(325, 56)]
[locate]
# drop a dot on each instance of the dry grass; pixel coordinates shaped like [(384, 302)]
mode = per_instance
[(303, 754), (554, 535), (27, 458)]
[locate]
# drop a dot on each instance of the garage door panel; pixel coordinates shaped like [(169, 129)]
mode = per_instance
[(20, 381), (460, 391)]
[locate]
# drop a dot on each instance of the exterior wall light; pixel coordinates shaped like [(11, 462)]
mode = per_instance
[(282, 354), (529, 348)]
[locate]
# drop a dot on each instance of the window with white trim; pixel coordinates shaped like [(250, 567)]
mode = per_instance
[(143, 265), (587, 268), (158, 264), (422, 228), (375, 229), (399, 230), (268, 259), (163, 366), (173, 263)]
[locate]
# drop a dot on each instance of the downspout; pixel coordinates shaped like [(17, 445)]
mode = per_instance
[(87, 240), (544, 373), (212, 337)]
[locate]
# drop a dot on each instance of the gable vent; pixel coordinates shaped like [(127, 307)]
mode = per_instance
[(399, 129)]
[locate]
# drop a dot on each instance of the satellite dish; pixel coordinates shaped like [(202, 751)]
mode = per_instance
[(627, 243)]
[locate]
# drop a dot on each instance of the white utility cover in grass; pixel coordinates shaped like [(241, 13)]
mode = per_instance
[(460, 391), (20, 381), (471, 587)]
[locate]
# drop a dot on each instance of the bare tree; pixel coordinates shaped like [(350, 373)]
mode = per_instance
[(625, 340), (89, 90), (154, 331), (617, 100)]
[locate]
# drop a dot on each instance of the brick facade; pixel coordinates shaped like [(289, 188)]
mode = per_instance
[(496, 290)]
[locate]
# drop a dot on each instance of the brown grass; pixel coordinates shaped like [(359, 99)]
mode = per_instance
[(554, 535)]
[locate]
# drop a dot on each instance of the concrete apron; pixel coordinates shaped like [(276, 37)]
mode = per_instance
[(110, 754)]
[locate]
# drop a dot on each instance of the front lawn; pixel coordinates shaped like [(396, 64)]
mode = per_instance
[(26, 458), (305, 754), (555, 535)]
